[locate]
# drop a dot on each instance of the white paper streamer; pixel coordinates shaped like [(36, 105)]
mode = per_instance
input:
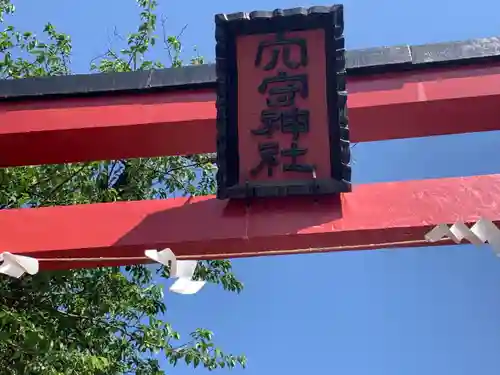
[(183, 270), (17, 265), (186, 286), (483, 231)]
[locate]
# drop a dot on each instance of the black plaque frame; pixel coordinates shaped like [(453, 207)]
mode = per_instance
[(228, 28)]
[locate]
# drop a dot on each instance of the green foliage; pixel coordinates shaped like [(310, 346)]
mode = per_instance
[(98, 321)]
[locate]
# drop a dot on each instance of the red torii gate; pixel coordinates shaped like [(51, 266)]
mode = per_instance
[(394, 92)]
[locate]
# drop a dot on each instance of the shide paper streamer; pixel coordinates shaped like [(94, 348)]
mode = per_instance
[(182, 270), (482, 232), (17, 265)]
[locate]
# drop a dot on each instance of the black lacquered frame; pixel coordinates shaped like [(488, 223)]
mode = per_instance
[(228, 28)]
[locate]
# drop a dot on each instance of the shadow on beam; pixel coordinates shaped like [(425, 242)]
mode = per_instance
[(373, 216)]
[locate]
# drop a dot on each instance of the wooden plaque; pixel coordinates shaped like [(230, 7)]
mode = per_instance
[(281, 103)]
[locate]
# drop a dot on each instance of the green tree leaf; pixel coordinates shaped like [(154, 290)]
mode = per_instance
[(104, 320)]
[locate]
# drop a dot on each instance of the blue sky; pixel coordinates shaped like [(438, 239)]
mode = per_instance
[(401, 312)]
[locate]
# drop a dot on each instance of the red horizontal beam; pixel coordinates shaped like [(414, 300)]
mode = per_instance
[(404, 105), (373, 216)]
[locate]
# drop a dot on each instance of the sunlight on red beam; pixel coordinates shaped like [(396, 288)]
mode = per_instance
[(103, 128), (205, 227), (404, 105)]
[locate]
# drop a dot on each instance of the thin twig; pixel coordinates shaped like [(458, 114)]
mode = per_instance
[(65, 181)]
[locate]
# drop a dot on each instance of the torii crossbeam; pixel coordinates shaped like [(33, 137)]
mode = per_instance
[(394, 92)]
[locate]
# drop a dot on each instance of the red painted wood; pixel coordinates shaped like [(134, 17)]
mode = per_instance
[(251, 103), (101, 128), (204, 226), (404, 105)]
